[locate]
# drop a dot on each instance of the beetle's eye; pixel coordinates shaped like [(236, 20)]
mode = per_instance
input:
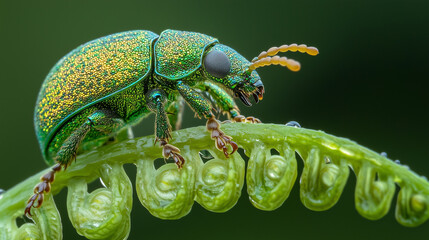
[(217, 64)]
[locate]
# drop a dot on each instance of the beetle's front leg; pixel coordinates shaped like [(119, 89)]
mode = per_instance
[(202, 108), (222, 99), (226, 103), (156, 103)]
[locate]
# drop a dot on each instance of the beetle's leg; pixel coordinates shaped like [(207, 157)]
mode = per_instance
[(226, 103), (221, 99), (202, 108), (102, 120), (200, 105), (221, 139), (156, 103), (241, 118), (175, 113), (43, 187)]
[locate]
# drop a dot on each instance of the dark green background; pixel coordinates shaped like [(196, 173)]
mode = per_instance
[(369, 84)]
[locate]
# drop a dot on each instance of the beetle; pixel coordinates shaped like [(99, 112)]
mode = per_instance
[(113, 82)]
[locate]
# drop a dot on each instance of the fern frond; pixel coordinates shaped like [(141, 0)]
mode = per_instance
[(217, 184)]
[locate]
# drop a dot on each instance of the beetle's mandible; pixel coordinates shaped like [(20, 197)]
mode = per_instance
[(111, 83)]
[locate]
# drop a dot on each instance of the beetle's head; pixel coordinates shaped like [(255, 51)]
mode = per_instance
[(227, 67)]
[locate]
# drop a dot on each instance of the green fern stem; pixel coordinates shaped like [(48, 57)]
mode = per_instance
[(216, 184)]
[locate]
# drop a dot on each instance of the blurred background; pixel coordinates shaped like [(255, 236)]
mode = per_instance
[(370, 84)]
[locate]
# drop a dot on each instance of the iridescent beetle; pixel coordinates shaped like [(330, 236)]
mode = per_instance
[(113, 82)]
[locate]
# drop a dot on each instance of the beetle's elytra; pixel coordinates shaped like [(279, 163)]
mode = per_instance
[(111, 83)]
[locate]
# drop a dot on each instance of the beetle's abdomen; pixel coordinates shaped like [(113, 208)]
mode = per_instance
[(89, 74)]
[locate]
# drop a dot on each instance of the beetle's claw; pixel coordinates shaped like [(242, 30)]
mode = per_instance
[(221, 140), (241, 118), (30, 204), (169, 150), (43, 187), (37, 197)]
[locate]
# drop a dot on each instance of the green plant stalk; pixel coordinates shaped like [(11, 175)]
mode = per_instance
[(326, 166)]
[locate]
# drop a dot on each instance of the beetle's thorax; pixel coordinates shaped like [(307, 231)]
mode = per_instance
[(178, 54)]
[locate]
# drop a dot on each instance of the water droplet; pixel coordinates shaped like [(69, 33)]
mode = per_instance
[(397, 161), (2, 191), (384, 154), (293, 124), (425, 178)]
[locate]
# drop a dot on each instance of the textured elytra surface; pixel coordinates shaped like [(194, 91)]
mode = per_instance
[(88, 74), (217, 183)]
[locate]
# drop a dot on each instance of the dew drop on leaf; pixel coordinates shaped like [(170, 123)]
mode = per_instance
[(293, 124)]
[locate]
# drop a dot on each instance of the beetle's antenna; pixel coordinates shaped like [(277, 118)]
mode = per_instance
[(276, 60), (285, 48), (265, 59)]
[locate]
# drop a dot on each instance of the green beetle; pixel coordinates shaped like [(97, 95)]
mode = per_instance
[(108, 84)]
